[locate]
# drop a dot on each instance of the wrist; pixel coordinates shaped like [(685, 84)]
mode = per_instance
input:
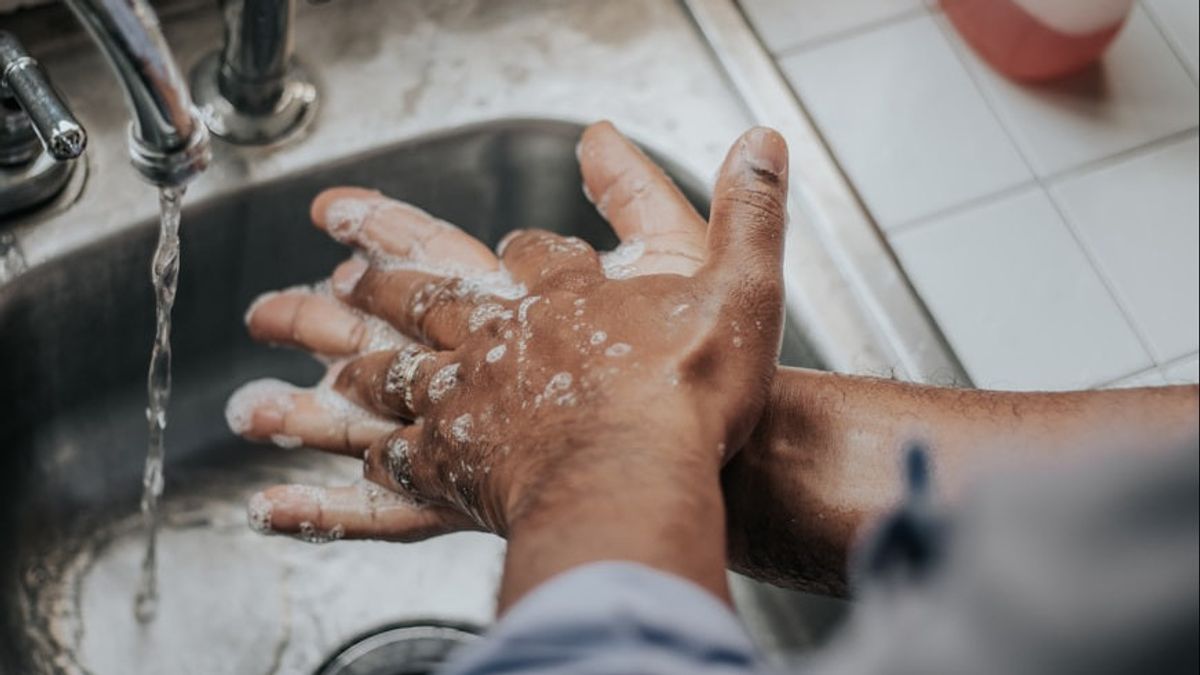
[(662, 452), (786, 523), (640, 504)]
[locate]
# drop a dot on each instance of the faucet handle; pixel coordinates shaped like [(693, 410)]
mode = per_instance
[(22, 80)]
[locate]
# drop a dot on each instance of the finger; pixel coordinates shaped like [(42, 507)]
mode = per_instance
[(316, 323), (540, 259), (641, 203), (440, 311), (632, 192), (745, 236), (362, 511), (371, 221), (289, 416), (670, 254), (402, 383), (320, 324)]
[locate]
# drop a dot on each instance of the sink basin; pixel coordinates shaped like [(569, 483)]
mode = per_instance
[(75, 335)]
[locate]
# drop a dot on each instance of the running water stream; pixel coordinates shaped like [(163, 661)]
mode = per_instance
[(164, 274)]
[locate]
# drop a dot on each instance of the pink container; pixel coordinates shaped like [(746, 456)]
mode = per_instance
[(1038, 39)]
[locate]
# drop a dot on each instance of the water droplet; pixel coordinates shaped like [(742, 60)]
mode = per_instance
[(618, 349)]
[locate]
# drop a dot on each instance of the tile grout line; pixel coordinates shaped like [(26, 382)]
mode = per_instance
[(1178, 360), (981, 201), (1152, 14), (1128, 154), (1108, 384), (1105, 279), (1159, 368), (1052, 180), (1084, 248), (848, 33)]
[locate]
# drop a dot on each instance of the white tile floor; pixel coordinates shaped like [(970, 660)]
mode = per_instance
[(905, 121), (1142, 93), (1180, 22), (1051, 230), (984, 272), (1138, 219)]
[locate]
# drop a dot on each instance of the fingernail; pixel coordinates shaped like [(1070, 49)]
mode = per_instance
[(345, 217), (256, 304), (347, 275), (765, 150), (243, 407), (258, 513), (266, 419), (286, 441)]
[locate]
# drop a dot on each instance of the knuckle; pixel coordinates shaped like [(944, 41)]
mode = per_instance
[(758, 202), (429, 301), (757, 295), (763, 287), (295, 319), (395, 463), (359, 337), (530, 244), (628, 186), (512, 242)]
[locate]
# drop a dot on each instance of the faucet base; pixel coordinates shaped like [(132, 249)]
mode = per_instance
[(38, 181), (295, 108)]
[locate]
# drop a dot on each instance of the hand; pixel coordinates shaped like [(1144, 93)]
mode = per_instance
[(629, 393), (631, 191)]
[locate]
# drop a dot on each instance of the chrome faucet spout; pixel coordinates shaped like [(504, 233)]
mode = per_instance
[(167, 143)]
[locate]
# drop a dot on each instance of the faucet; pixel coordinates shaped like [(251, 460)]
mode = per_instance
[(167, 142), (39, 137), (252, 91)]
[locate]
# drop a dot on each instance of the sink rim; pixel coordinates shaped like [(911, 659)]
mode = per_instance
[(684, 178)]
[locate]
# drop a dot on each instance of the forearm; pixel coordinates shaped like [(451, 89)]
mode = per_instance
[(825, 458), (670, 517)]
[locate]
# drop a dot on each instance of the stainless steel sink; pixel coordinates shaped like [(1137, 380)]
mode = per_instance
[(73, 355)]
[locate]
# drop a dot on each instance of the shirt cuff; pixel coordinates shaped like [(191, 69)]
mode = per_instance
[(614, 617)]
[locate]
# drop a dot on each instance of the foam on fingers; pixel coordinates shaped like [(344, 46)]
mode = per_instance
[(256, 395)]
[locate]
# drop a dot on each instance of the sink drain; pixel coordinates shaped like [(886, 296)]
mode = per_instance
[(411, 649)]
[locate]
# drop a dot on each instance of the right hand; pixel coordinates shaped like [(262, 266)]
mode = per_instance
[(636, 197)]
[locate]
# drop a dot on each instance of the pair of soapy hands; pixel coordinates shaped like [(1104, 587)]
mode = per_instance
[(472, 386)]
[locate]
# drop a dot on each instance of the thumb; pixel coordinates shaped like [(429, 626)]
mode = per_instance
[(749, 207)]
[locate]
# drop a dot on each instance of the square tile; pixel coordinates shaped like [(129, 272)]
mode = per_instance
[(1180, 20), (1017, 298), (1138, 93), (783, 24), (1185, 371), (1140, 220), (905, 121)]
